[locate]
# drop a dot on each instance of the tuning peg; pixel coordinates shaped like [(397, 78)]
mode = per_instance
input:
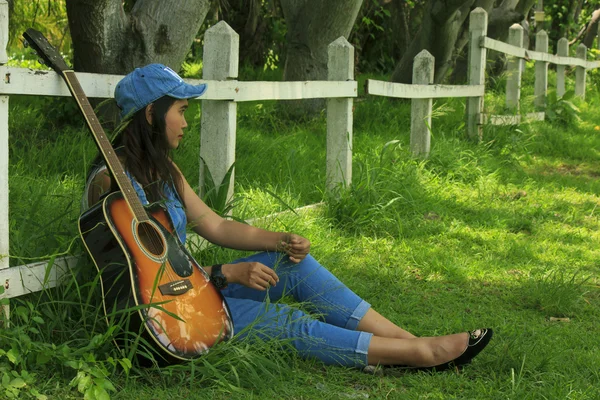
[(25, 43), (41, 61)]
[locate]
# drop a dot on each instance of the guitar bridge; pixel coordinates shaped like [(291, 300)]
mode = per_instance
[(175, 288)]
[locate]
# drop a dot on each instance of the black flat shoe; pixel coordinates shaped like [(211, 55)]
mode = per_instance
[(477, 341)]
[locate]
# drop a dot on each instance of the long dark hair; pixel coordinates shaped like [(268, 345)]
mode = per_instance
[(144, 151)]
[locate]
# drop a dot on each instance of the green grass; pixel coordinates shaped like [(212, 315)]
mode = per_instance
[(501, 234)]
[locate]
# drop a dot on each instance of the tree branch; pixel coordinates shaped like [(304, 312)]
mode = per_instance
[(590, 30)]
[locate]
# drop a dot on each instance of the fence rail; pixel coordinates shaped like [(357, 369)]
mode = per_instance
[(419, 91), (15, 80), (511, 119), (520, 52)]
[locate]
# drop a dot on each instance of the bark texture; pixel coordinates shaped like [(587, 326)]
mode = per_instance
[(312, 26), (106, 39), (440, 30), (445, 33)]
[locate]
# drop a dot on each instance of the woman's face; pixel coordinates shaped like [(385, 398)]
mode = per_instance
[(175, 122)]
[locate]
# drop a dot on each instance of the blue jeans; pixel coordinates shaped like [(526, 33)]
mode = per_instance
[(328, 333)]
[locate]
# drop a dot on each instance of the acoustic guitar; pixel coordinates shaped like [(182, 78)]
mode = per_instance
[(144, 268)]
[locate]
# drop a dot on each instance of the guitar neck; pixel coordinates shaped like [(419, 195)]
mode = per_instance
[(108, 152)]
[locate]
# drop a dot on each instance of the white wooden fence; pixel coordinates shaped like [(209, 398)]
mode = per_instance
[(218, 125), (422, 91)]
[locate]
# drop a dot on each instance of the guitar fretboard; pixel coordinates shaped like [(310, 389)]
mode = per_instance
[(105, 147)]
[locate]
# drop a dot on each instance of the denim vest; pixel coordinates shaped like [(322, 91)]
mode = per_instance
[(172, 203)]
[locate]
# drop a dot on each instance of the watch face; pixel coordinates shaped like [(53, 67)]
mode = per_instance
[(219, 281)]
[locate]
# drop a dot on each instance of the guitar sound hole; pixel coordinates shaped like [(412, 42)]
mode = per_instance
[(151, 239)]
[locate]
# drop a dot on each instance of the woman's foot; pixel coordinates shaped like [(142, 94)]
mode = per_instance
[(476, 341), (427, 353)]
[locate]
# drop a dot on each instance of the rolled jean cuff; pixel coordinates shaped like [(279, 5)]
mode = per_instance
[(362, 348), (358, 314)]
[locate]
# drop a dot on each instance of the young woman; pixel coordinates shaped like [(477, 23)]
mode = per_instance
[(349, 332)]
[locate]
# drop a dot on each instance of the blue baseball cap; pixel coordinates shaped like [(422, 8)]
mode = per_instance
[(147, 84)]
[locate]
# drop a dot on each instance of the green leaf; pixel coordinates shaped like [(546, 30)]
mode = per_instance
[(84, 383), (13, 356), (106, 384), (17, 383), (42, 358), (33, 330), (569, 94), (125, 364), (89, 394), (23, 313), (37, 319), (72, 364), (101, 394), (75, 381), (38, 395)]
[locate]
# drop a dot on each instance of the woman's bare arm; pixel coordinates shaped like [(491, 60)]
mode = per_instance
[(100, 184), (223, 232)]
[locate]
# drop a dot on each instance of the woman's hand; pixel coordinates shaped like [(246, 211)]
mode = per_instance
[(295, 246), (254, 275)]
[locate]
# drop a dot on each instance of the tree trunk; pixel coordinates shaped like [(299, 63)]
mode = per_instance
[(449, 20), (108, 40), (440, 29), (401, 21), (312, 26)]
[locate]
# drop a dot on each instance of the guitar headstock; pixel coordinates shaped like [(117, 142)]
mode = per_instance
[(45, 50)]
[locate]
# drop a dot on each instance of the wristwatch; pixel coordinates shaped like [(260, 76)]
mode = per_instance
[(217, 277)]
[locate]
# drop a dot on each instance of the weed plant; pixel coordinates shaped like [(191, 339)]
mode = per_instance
[(499, 234)]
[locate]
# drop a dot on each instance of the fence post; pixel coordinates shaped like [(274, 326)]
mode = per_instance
[(340, 67), (478, 21), (514, 69), (218, 125), (563, 51), (541, 70), (580, 72), (4, 226), (420, 110)]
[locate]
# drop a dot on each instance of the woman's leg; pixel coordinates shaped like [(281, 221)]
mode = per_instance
[(380, 326), (417, 352), (311, 338), (312, 283), (388, 344), (334, 345)]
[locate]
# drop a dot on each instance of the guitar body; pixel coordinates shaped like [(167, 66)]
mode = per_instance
[(144, 264)]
